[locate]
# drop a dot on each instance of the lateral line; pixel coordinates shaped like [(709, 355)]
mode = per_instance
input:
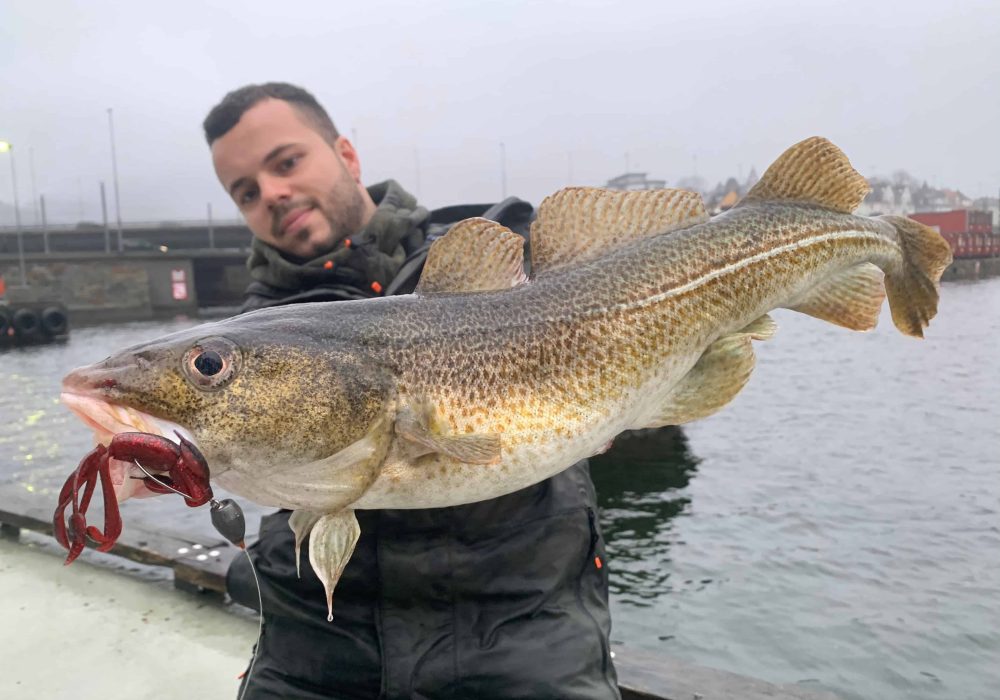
[(739, 265)]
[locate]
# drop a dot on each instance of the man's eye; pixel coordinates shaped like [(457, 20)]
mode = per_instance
[(246, 197), (288, 163)]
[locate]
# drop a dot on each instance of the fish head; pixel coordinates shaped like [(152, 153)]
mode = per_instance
[(259, 394)]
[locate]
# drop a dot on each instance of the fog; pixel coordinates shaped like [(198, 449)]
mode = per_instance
[(576, 92)]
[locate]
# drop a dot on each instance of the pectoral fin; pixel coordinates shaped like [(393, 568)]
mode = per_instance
[(331, 543), (718, 376), (301, 522), (420, 438)]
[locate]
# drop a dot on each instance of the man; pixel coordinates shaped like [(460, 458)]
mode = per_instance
[(498, 599)]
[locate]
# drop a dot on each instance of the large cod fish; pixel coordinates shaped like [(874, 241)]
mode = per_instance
[(639, 312)]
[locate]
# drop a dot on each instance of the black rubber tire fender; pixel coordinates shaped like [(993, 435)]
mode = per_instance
[(26, 323), (54, 321)]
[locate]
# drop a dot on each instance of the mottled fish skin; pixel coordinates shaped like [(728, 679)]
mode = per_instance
[(555, 367), (640, 313), (595, 349)]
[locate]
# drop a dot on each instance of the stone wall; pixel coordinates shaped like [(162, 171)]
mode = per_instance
[(972, 269), (97, 289)]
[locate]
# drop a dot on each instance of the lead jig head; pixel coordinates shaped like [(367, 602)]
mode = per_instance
[(227, 517)]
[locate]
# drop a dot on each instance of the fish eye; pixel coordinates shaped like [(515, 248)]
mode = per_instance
[(211, 363)]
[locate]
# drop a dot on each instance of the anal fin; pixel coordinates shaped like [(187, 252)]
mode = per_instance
[(762, 328), (851, 299), (716, 378)]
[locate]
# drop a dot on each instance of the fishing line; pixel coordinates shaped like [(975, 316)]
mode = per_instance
[(260, 625), (225, 515)]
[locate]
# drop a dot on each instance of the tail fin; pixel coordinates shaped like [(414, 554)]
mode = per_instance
[(913, 287)]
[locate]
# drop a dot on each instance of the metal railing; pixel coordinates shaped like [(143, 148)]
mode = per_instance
[(91, 226)]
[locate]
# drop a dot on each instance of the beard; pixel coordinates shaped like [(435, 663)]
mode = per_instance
[(343, 208)]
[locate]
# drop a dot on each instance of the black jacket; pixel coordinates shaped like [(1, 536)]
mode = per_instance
[(506, 598)]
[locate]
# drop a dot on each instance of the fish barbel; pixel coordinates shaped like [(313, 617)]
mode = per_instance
[(639, 312)]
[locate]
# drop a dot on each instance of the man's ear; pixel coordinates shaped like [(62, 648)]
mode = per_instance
[(345, 149)]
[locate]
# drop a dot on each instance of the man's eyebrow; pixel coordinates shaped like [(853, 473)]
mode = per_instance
[(272, 154)]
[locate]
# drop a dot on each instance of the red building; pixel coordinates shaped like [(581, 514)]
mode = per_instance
[(969, 232)]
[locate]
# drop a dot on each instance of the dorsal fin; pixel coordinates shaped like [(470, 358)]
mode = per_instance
[(813, 171), (476, 255), (578, 224)]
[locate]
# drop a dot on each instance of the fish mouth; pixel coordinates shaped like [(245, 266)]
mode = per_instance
[(107, 420)]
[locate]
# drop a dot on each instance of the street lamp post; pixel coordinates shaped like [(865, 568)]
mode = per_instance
[(416, 162), (503, 171), (8, 147), (211, 228), (34, 189), (114, 173)]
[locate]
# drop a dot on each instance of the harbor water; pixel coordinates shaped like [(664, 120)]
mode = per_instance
[(837, 525)]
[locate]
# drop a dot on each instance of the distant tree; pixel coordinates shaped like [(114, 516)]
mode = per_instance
[(901, 177), (693, 183)]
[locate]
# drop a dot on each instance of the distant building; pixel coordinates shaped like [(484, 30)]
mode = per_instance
[(887, 198), (992, 205), (905, 196), (727, 195), (929, 198), (901, 195), (969, 232), (632, 182)]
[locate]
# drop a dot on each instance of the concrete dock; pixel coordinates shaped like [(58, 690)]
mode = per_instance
[(147, 620), (105, 628)]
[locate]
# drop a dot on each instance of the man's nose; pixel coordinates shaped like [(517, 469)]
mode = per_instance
[(274, 191)]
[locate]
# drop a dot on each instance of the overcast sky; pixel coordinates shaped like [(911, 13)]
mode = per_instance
[(429, 90)]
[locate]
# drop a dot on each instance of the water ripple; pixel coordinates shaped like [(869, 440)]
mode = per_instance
[(839, 523)]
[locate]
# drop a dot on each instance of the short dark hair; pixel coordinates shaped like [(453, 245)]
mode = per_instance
[(225, 115)]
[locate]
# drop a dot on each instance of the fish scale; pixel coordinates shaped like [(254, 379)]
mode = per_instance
[(640, 312)]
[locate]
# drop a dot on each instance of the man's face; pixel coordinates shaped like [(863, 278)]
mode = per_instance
[(297, 191)]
